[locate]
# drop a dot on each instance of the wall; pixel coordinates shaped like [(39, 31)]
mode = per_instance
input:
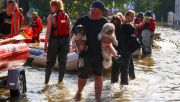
[(177, 12)]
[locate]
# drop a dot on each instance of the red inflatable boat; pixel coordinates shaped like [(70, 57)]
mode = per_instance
[(13, 55)]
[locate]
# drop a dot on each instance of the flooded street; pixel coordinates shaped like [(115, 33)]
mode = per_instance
[(157, 79)]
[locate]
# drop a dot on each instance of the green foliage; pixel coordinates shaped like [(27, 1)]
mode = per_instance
[(40, 6), (1, 4), (24, 4), (77, 8), (160, 7)]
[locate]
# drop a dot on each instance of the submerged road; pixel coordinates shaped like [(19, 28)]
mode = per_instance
[(157, 79)]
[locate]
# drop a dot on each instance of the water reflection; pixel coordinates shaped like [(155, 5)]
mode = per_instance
[(146, 63)]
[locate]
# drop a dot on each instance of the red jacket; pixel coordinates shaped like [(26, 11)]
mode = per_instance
[(36, 26), (151, 25), (139, 30), (15, 23)]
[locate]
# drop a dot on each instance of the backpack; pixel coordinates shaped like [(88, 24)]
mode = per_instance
[(133, 44)]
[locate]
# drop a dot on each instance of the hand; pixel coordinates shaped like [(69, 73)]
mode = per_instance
[(146, 20), (137, 52), (118, 56), (71, 49)]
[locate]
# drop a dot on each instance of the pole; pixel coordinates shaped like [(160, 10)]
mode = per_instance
[(151, 5)]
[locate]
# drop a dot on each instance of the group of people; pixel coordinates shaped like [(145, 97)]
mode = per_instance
[(12, 20), (100, 43), (146, 31)]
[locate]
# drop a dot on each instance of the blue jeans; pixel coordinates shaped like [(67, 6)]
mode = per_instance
[(147, 40)]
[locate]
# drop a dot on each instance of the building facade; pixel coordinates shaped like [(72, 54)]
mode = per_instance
[(177, 13)]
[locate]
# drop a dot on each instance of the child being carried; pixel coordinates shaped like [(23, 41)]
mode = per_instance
[(108, 51), (78, 42), (79, 39)]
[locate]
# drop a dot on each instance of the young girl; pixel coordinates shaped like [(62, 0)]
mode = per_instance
[(37, 26), (116, 66)]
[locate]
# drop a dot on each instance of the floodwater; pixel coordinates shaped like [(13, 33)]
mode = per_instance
[(157, 79)]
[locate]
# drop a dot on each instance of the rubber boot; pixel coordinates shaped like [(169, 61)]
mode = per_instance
[(61, 74), (47, 75)]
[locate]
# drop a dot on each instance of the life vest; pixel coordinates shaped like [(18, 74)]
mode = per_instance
[(151, 25), (15, 27), (28, 31), (37, 26), (60, 25)]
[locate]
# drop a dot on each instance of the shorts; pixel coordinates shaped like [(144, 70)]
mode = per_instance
[(91, 65)]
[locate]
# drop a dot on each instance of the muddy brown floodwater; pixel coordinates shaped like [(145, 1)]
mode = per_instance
[(157, 79)]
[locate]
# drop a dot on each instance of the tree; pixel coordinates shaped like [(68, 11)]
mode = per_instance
[(77, 8)]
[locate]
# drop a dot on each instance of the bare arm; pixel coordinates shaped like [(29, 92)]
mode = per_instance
[(115, 42), (145, 20), (6, 41), (48, 31), (72, 42), (70, 28)]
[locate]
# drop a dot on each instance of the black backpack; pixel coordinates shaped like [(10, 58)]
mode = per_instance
[(133, 43)]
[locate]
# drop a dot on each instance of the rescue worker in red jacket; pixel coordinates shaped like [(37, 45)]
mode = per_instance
[(57, 39), (138, 20), (37, 26), (148, 32), (21, 17)]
